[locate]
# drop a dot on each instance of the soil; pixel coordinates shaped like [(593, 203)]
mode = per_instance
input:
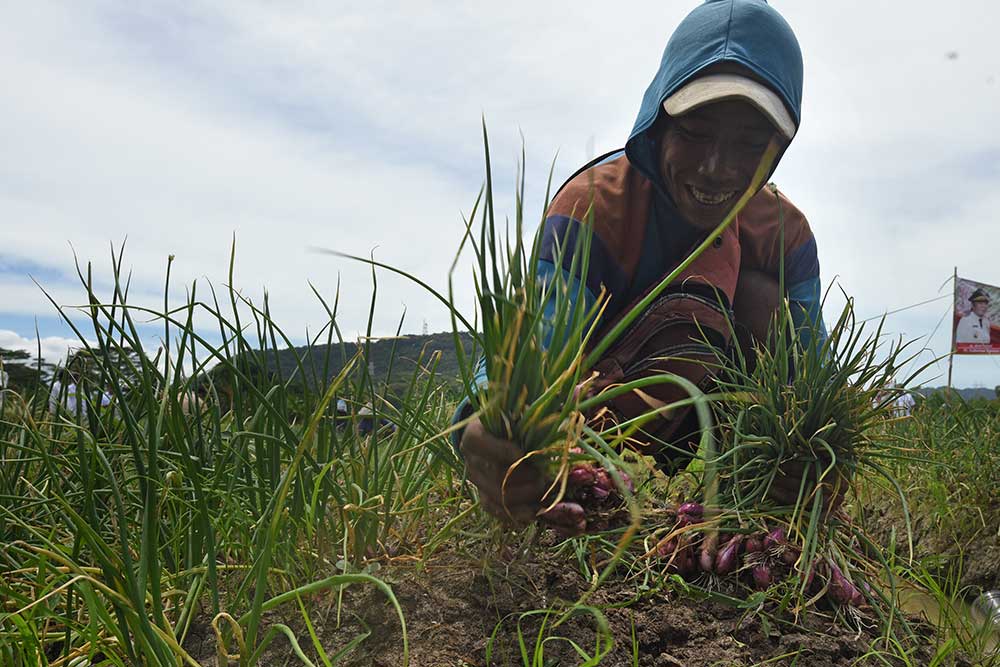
[(454, 604)]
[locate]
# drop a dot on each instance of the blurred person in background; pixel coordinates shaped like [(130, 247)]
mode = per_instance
[(903, 405), (68, 391)]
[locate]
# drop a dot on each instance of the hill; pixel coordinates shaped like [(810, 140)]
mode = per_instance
[(392, 360), (967, 394), (398, 357)]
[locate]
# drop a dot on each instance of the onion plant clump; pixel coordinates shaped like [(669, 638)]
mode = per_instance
[(533, 328), (798, 424), (806, 408)]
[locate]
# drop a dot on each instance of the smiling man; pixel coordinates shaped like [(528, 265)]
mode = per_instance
[(729, 83)]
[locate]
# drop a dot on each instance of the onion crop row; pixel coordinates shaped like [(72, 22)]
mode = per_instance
[(201, 488)]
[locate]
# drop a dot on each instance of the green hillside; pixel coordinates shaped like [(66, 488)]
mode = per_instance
[(391, 361), (396, 359)]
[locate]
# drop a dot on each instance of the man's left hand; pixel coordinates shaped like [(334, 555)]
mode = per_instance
[(788, 481)]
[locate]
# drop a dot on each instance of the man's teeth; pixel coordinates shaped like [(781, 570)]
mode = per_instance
[(710, 199)]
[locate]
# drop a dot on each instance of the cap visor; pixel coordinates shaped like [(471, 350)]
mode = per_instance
[(718, 87)]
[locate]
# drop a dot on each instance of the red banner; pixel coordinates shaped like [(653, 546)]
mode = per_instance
[(977, 318)]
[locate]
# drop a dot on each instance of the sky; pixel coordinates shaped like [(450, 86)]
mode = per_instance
[(200, 129)]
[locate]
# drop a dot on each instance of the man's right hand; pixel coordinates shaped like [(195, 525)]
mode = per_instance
[(487, 460)]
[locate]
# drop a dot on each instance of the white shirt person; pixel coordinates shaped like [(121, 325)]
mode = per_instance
[(903, 405)]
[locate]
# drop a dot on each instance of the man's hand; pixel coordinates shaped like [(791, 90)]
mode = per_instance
[(788, 480), (487, 460)]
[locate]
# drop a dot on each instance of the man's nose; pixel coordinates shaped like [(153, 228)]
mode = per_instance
[(718, 163)]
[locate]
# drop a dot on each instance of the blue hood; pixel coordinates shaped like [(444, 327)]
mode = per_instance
[(748, 32)]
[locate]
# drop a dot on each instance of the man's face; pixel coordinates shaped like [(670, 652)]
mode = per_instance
[(708, 157), (979, 307)]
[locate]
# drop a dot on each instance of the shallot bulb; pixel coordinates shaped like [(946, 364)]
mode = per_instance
[(689, 513), (685, 559), (603, 485), (667, 549), (774, 538), (727, 559), (706, 559), (691, 509), (761, 576), (753, 545), (842, 591), (789, 555), (567, 518), (582, 474), (680, 553)]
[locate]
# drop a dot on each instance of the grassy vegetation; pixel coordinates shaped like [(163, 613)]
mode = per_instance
[(222, 501), (123, 524), (123, 528), (954, 499)]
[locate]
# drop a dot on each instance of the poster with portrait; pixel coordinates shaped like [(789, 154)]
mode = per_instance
[(977, 318)]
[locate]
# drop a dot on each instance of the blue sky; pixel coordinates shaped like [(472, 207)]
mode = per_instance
[(357, 127)]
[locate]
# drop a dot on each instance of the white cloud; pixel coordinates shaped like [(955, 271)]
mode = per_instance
[(358, 126), (53, 348)]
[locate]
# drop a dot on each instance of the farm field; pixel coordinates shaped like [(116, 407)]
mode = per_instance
[(710, 318), (237, 517)]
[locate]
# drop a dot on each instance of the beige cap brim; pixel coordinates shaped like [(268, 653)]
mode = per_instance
[(718, 87)]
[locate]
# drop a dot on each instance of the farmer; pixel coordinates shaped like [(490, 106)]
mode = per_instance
[(975, 327), (729, 84)]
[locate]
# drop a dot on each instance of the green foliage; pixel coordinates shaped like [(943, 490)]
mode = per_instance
[(119, 532), (120, 524), (961, 477), (532, 385), (812, 407), (223, 486)]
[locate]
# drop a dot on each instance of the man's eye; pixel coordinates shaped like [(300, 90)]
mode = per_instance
[(755, 144), (692, 134)]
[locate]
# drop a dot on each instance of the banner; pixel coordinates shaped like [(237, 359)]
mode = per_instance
[(977, 318)]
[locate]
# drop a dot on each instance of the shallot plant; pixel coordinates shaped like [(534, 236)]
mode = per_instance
[(806, 407), (801, 411)]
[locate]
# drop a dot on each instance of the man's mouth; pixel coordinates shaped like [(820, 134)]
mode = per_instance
[(710, 198)]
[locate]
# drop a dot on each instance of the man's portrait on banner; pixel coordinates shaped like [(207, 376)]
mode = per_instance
[(975, 312)]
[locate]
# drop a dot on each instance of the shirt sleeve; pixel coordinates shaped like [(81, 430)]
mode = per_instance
[(775, 236), (804, 292)]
